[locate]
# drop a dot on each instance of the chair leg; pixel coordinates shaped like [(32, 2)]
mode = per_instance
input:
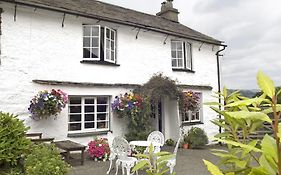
[(110, 165), (128, 170), (117, 165), (123, 169), (171, 169)]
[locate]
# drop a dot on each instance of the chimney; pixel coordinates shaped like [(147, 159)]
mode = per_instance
[(168, 11)]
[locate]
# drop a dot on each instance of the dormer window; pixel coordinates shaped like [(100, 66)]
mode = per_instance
[(99, 44), (181, 55)]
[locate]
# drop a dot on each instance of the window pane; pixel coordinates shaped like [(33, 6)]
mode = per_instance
[(95, 42), (112, 45), (179, 54), (102, 108), (174, 63), (107, 33), (112, 56), (102, 100), (102, 117), (112, 35), (75, 100), (179, 46), (89, 125), (86, 53), (89, 101), (180, 63), (107, 54), (173, 45), (102, 125), (75, 118), (107, 43), (86, 42), (174, 54), (95, 53), (89, 109), (90, 117), (75, 109), (74, 126), (95, 31), (87, 31)]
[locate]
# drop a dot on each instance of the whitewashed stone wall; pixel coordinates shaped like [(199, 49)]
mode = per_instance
[(35, 46)]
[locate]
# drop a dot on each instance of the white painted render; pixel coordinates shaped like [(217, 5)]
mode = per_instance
[(36, 46)]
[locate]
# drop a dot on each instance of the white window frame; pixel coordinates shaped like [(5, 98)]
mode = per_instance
[(91, 45), (110, 49), (177, 58), (188, 55), (83, 129), (200, 111)]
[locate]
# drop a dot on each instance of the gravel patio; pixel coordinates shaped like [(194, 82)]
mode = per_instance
[(189, 162)]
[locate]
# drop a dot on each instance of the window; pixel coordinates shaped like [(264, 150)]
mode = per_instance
[(99, 43), (189, 117), (181, 55), (88, 114)]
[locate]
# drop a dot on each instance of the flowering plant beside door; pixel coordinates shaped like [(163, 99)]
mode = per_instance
[(128, 104)]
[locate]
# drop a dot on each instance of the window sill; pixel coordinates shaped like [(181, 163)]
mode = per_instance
[(192, 123), (86, 134), (183, 70), (99, 62)]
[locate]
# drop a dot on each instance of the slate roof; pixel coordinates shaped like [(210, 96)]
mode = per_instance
[(113, 13)]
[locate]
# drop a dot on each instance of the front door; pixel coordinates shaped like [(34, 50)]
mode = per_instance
[(158, 117)]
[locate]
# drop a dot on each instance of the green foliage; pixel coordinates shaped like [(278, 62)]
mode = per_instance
[(13, 142), (153, 163), (170, 142), (242, 117), (45, 159), (12, 171), (196, 137), (160, 86)]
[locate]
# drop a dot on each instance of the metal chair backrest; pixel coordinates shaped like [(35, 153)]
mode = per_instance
[(121, 147), (177, 146), (110, 138), (156, 136)]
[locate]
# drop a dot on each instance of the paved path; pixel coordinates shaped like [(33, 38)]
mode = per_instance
[(189, 162)]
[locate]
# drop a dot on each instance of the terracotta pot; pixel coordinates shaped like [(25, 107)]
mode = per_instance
[(185, 146)]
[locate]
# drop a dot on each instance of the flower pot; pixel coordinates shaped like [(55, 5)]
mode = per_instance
[(185, 146)]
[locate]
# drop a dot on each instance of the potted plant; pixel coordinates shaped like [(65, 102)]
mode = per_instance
[(191, 101), (170, 142), (185, 144), (99, 149), (46, 104)]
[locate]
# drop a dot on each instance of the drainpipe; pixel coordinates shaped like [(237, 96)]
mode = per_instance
[(219, 76), (1, 11)]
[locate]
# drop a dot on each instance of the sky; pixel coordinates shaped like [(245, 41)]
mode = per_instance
[(250, 28)]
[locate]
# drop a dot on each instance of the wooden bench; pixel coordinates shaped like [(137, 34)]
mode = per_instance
[(69, 146)]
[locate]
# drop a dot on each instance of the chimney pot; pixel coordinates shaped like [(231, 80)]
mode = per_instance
[(168, 11)]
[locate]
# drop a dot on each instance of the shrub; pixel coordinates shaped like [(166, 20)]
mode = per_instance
[(13, 142), (170, 142), (45, 159), (196, 137)]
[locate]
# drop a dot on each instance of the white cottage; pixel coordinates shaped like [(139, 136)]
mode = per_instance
[(94, 51)]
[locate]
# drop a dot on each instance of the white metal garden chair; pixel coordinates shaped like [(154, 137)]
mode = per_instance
[(172, 162), (157, 137), (112, 155), (122, 149)]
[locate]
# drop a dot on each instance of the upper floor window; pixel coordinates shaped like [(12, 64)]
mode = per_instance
[(181, 55), (88, 114), (99, 43)]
